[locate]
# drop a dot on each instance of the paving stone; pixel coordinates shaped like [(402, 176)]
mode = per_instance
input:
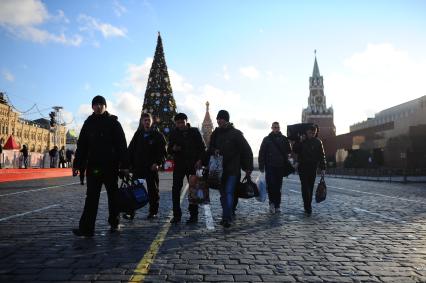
[(347, 239), (219, 278)]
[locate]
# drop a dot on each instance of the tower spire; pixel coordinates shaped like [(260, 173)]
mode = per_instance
[(316, 72), (207, 126)]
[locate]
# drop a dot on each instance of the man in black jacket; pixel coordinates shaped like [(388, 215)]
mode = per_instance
[(147, 152), (102, 147), (237, 155), (273, 156), (188, 148), (310, 156)]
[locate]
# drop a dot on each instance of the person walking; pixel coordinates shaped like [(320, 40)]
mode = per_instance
[(68, 154), (187, 148), (62, 157), (24, 152), (273, 156), (102, 148), (310, 157), (53, 156), (147, 152), (237, 155)]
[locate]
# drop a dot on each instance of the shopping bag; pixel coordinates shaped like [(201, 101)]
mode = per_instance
[(321, 192), (261, 185), (288, 168), (169, 165), (247, 188), (215, 171), (198, 191), (132, 194)]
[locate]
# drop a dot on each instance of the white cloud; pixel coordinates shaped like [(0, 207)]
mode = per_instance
[(67, 117), (60, 17), (250, 72), (22, 13), (379, 77), (118, 8), (21, 18), (178, 82), (91, 24), (87, 86), (8, 76), (137, 76)]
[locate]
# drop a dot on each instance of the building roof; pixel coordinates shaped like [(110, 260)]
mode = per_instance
[(11, 143)]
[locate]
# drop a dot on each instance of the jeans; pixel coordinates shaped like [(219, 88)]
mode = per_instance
[(227, 196), (274, 181)]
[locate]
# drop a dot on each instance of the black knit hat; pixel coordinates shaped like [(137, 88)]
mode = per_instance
[(180, 116), (223, 114), (99, 100)]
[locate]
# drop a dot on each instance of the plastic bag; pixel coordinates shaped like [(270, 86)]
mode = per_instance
[(198, 192), (215, 169), (261, 185)]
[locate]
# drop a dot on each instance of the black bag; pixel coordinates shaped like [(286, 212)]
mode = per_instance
[(287, 167), (321, 192), (132, 195), (247, 188), (295, 131)]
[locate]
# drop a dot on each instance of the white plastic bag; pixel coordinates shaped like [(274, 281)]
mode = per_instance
[(261, 184), (215, 171)]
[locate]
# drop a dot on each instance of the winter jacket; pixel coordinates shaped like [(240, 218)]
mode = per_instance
[(24, 152), (192, 147), (272, 154), (62, 155), (101, 144), (310, 153), (145, 149), (234, 148)]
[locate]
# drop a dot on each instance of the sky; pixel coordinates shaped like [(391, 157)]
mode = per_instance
[(252, 58)]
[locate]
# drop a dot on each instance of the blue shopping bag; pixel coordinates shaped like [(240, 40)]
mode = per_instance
[(132, 194)]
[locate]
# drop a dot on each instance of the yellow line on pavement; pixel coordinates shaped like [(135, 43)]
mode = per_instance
[(144, 265)]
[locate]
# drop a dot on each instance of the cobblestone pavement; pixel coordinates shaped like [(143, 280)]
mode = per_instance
[(364, 232)]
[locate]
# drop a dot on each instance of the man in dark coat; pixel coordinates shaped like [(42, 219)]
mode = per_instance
[(188, 148), (237, 155), (62, 157), (53, 156), (147, 152), (24, 151), (310, 156), (68, 154), (273, 156), (102, 150)]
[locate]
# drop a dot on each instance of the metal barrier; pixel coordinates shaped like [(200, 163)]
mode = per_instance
[(417, 175)]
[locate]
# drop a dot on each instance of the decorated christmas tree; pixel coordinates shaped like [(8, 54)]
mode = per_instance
[(159, 100)]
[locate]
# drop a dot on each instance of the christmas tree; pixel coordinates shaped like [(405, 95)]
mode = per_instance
[(159, 100)]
